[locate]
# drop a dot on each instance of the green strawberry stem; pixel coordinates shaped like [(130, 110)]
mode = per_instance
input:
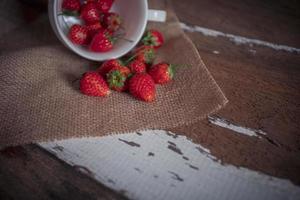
[(126, 62), (128, 40), (114, 38), (116, 79), (69, 13), (121, 36), (147, 38)]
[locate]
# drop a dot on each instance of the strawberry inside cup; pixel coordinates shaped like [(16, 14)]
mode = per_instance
[(98, 28), (127, 32)]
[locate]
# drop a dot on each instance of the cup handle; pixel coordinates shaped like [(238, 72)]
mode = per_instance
[(157, 15)]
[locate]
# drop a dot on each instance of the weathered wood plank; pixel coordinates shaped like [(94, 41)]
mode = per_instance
[(31, 173), (262, 86), (238, 39), (161, 165), (274, 21)]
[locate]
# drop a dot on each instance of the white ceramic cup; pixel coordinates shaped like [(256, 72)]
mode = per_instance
[(134, 13)]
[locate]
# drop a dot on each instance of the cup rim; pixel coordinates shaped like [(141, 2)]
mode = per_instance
[(53, 13)]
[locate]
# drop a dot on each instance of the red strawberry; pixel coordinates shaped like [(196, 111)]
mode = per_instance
[(89, 13), (145, 54), (123, 69), (71, 5), (93, 84), (111, 21), (137, 66), (153, 38), (102, 42), (108, 65), (162, 73), (93, 28), (78, 34), (104, 5), (142, 87), (117, 78)]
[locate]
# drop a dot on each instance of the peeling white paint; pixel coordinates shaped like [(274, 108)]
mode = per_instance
[(239, 129), (142, 166), (238, 39)]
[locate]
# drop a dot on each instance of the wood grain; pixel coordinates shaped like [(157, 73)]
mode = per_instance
[(274, 21), (178, 168), (262, 86), (31, 173)]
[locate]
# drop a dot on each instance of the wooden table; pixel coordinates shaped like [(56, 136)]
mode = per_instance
[(250, 150)]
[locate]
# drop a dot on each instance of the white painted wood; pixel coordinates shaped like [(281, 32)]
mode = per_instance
[(234, 127), (237, 39), (159, 165)]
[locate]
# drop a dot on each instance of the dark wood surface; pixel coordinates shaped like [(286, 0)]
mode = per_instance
[(262, 85), (29, 172), (274, 21)]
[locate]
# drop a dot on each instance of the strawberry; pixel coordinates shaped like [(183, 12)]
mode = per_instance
[(102, 42), (78, 34), (137, 66), (117, 78), (93, 28), (145, 54), (108, 65), (123, 69), (104, 5), (142, 87), (162, 73), (71, 5), (89, 13), (111, 21), (93, 84), (153, 38)]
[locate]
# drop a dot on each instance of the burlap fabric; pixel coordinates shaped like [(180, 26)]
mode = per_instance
[(39, 102)]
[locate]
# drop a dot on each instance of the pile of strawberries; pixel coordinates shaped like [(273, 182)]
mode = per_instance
[(100, 25), (136, 75)]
